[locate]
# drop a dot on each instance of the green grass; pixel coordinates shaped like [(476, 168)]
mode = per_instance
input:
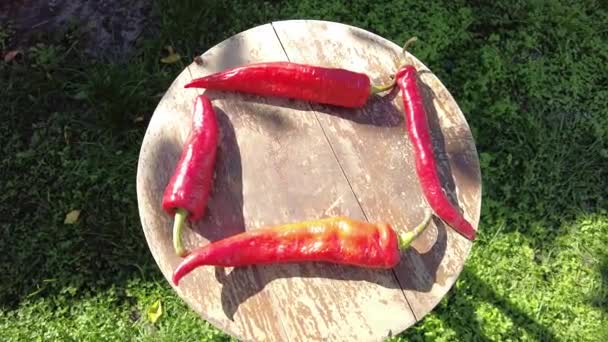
[(530, 77)]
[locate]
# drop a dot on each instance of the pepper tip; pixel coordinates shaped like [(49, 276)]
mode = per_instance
[(175, 279), (465, 229), (471, 236)]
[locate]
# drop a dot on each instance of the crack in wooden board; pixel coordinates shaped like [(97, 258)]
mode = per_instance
[(373, 148)]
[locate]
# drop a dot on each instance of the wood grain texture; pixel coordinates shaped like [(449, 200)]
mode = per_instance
[(280, 161), (289, 173), (202, 291), (373, 149)]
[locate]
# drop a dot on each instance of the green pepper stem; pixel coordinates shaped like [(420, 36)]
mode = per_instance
[(381, 88), (406, 239), (178, 224), (402, 60), (407, 44)]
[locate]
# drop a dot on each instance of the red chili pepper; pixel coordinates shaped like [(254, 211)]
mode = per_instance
[(188, 191), (332, 86), (339, 240), (426, 167)]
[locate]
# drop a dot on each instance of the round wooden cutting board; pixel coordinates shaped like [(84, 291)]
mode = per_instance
[(282, 160)]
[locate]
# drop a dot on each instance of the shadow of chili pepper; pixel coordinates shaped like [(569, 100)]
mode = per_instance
[(419, 271), (439, 143), (224, 215), (458, 151), (231, 298), (379, 110), (260, 112)]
